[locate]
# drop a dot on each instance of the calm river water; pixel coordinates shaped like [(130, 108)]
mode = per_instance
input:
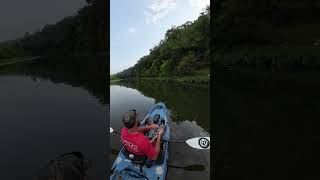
[(48, 108)]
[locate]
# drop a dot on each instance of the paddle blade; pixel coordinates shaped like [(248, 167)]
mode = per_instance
[(195, 167), (111, 130), (199, 142)]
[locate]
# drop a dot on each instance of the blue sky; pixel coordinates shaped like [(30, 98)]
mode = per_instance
[(138, 25)]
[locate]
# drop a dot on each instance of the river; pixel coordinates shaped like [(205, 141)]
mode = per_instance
[(50, 107)]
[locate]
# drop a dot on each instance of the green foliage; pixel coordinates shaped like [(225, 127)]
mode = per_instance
[(166, 68), (184, 49), (186, 65)]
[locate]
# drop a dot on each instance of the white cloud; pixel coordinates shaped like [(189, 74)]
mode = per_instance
[(132, 29), (158, 10), (199, 4)]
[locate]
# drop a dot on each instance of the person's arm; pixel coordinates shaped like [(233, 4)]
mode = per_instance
[(157, 147), (145, 118), (147, 128)]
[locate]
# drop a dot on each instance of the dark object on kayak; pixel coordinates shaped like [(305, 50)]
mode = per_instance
[(68, 166), (146, 121), (162, 122), (156, 118)]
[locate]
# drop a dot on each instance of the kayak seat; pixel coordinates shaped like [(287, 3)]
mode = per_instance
[(135, 159)]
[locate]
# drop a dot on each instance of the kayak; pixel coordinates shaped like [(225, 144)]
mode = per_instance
[(126, 167)]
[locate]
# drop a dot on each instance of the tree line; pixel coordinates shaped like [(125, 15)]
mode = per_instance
[(183, 50)]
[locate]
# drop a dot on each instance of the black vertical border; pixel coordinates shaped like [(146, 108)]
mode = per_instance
[(107, 41)]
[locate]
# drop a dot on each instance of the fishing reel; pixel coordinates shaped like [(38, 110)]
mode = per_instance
[(156, 119), (153, 133)]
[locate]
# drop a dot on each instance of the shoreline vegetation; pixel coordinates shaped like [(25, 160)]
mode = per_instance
[(199, 77), (21, 59), (182, 56), (185, 79), (10, 61)]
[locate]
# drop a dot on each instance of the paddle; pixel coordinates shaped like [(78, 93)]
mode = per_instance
[(196, 167), (197, 142)]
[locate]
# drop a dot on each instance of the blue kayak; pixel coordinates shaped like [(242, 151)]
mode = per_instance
[(126, 167)]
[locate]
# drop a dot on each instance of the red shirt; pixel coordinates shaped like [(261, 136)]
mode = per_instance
[(137, 143)]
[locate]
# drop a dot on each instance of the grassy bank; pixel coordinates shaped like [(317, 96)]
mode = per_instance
[(114, 79), (201, 76), (5, 62), (272, 57), (183, 79)]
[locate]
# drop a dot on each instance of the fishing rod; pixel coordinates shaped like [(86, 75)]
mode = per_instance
[(197, 142)]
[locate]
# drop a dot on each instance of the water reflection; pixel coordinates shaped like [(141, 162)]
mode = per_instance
[(185, 101), (49, 108), (88, 72)]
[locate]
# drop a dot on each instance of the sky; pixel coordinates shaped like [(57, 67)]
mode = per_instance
[(138, 25), (20, 16)]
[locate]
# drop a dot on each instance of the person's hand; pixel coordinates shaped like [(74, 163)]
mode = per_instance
[(159, 134), (154, 126), (161, 131)]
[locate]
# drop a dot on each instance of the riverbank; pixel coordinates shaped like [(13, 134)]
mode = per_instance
[(201, 76), (276, 58), (115, 81), (5, 62), (184, 79)]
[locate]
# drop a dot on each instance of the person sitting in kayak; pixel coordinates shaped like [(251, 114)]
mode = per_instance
[(135, 141)]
